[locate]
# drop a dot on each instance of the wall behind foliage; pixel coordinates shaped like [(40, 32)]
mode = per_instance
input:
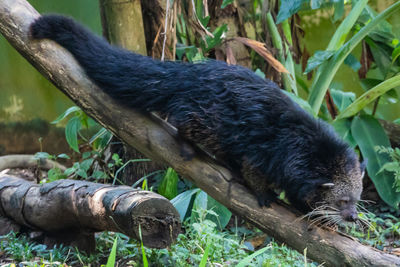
[(25, 94)]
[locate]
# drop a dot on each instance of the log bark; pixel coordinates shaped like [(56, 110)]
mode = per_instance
[(81, 207), (27, 161), (160, 142)]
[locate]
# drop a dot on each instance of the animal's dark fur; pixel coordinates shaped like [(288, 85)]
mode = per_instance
[(236, 115)]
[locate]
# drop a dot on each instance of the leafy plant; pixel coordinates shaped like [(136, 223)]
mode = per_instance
[(368, 134), (393, 166), (361, 131)]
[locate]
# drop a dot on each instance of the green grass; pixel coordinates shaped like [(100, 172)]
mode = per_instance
[(200, 244), (384, 231)]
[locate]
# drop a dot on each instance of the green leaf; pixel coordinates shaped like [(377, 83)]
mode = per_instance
[(113, 254), (190, 51), (181, 202), (339, 10), (260, 73), (225, 3), (82, 173), (390, 167), (200, 202), (144, 257), (317, 59), (369, 133), (69, 171), (103, 141), (99, 134), (66, 113), (370, 96), (315, 4), (99, 175), (343, 128), (224, 215), (301, 102), (216, 40), (86, 154), (321, 83), (381, 57), (395, 54), (42, 155), (352, 62), (63, 156), (289, 78), (117, 160), (288, 8), (169, 184), (86, 164), (383, 32), (247, 261), (340, 35), (71, 132), (55, 174), (369, 83), (342, 99), (284, 56), (203, 261)]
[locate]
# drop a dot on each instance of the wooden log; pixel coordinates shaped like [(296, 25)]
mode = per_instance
[(161, 143), (113, 18), (81, 206), (27, 161)]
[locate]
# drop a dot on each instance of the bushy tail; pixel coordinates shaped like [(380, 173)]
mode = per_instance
[(132, 79)]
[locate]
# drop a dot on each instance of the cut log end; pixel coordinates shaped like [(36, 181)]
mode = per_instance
[(81, 206)]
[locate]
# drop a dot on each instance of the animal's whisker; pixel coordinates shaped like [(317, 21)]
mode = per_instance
[(361, 207), (367, 201), (360, 225), (332, 221), (319, 220), (367, 223)]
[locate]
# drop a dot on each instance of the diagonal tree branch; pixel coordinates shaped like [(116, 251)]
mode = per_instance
[(161, 143)]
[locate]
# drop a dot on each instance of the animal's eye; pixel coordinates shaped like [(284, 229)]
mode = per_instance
[(343, 202)]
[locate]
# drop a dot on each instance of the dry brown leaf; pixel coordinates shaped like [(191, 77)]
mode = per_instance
[(257, 241), (263, 51)]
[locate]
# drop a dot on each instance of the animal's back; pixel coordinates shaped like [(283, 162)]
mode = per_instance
[(235, 114)]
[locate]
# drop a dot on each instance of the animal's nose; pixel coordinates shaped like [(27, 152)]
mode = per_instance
[(352, 217)]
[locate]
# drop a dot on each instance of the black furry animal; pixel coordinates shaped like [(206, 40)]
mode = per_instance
[(241, 118)]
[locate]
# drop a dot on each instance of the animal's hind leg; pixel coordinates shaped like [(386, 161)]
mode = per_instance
[(206, 139), (258, 184)]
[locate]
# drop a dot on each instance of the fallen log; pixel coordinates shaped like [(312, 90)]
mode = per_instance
[(161, 143), (71, 206), (28, 161)]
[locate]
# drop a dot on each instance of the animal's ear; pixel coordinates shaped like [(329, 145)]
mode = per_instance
[(327, 185), (363, 165)]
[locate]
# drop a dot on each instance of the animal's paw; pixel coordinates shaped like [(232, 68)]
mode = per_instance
[(186, 152), (266, 199)]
